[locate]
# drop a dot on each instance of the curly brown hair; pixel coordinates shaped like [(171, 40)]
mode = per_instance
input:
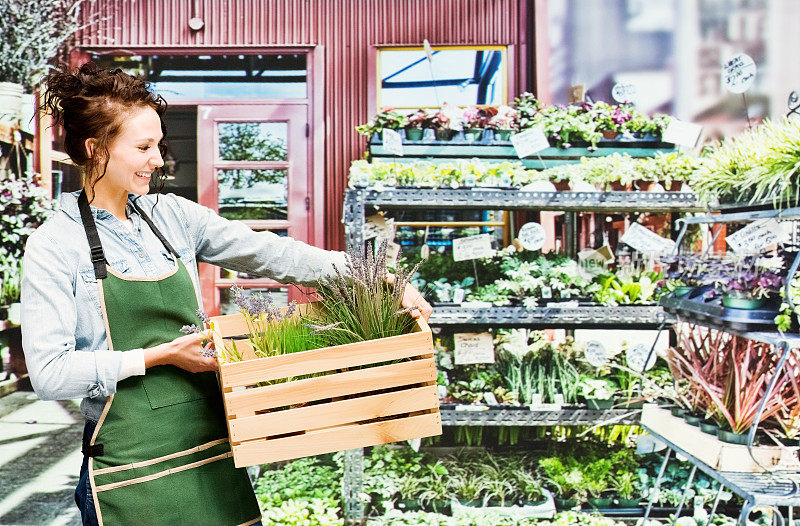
[(91, 102)]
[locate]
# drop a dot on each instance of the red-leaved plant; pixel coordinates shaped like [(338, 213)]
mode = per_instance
[(730, 375)]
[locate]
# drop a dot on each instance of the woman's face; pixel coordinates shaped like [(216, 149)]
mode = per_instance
[(134, 154)]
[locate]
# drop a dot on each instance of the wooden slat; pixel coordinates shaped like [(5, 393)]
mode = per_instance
[(334, 413), (249, 401), (329, 359), (336, 439), (235, 325)]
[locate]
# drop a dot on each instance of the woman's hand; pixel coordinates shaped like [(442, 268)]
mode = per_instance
[(183, 352), (413, 299)]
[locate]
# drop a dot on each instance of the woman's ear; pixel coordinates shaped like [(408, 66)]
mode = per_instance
[(89, 144)]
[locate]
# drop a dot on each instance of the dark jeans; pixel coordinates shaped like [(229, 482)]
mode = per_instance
[(83, 491)]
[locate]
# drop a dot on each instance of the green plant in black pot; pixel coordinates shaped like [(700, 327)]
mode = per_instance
[(627, 487), (386, 119)]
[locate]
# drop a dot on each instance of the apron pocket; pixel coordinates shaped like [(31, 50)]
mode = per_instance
[(167, 385)]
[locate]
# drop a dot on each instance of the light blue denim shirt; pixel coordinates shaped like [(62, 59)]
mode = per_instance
[(63, 334)]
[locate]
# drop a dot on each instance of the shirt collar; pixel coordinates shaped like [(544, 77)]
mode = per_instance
[(69, 204)]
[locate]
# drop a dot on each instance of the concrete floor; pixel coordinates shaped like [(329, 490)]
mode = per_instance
[(40, 458)]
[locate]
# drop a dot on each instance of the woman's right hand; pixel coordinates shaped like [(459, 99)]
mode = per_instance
[(183, 352)]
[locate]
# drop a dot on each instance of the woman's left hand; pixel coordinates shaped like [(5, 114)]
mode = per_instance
[(413, 299)]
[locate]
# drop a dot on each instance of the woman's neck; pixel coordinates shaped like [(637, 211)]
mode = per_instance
[(113, 200)]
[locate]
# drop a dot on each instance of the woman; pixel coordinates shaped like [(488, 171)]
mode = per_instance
[(115, 270)]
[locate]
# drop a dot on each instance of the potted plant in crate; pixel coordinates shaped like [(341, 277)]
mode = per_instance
[(504, 123), (386, 119), (416, 123)]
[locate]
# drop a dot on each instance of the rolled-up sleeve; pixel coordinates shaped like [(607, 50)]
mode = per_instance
[(58, 371), (233, 245)]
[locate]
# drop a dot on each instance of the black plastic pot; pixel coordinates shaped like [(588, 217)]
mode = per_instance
[(732, 438), (600, 502), (627, 503), (678, 411), (693, 419), (409, 505), (565, 504), (709, 426), (595, 403)]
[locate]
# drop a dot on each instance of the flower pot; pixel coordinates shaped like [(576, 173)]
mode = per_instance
[(610, 135), (709, 426), (502, 135), (682, 290), (616, 186), (628, 503), (692, 419), (565, 504), (445, 134), (732, 438), (438, 506), (533, 503), (600, 502), (562, 186), (10, 102), (736, 302), (596, 403), (471, 503), (3, 313), (409, 505), (643, 185), (678, 411), (473, 134), (674, 186), (414, 134)]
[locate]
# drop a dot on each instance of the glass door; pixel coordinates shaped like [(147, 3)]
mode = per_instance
[(253, 167)]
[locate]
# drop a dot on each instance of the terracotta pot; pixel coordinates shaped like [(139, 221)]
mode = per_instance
[(561, 186), (617, 186), (610, 135)]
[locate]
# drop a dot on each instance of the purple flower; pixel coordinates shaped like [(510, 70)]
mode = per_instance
[(191, 329), (203, 316)]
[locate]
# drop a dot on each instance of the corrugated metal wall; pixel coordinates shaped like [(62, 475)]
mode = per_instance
[(347, 28)]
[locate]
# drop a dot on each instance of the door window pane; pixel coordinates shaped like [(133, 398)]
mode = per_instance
[(252, 141), (253, 194), (228, 306)]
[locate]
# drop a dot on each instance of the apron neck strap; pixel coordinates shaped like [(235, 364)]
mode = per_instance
[(155, 230), (95, 247)]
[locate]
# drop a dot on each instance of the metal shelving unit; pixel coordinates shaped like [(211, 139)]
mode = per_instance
[(757, 489), (522, 416), (551, 317)]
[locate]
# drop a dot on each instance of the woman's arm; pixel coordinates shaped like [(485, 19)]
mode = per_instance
[(231, 244)]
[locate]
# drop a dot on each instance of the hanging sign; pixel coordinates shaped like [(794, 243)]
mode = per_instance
[(378, 226), (595, 261), (635, 358), (428, 49), (392, 142), (595, 353), (530, 141), (531, 236), (473, 348), (738, 73), (392, 252), (681, 133), (758, 235), (646, 241), (472, 247), (623, 92)]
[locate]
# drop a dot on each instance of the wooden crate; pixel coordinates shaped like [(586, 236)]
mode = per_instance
[(712, 451), (359, 400)]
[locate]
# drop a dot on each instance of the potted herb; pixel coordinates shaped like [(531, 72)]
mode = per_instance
[(416, 124), (386, 119), (566, 478), (504, 123), (468, 488), (410, 488)]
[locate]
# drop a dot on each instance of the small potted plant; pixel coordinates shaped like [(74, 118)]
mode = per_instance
[(447, 122), (387, 118), (475, 119), (598, 392), (609, 119), (503, 123), (416, 123), (597, 477), (566, 478), (748, 287), (627, 485)]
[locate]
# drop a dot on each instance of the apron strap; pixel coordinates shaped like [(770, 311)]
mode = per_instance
[(96, 249), (155, 230)]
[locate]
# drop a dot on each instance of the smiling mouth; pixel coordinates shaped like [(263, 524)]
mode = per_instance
[(144, 175)]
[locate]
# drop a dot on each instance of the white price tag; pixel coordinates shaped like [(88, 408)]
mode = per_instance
[(595, 353), (531, 236), (472, 247), (738, 73), (646, 241), (392, 142), (623, 92), (635, 358), (546, 292), (530, 141), (458, 295), (758, 235), (682, 133), (490, 399), (473, 348)]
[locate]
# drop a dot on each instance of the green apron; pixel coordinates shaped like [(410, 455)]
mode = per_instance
[(160, 452)]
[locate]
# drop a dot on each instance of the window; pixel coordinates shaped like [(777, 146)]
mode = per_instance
[(461, 76)]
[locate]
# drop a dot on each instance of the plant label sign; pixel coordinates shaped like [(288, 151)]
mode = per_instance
[(595, 353), (531, 236), (392, 252), (530, 141), (392, 142), (378, 226), (595, 261), (623, 92), (646, 241), (473, 348), (472, 247), (636, 356), (738, 73), (758, 235), (682, 133)]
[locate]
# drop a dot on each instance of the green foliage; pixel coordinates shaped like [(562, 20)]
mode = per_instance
[(628, 287), (388, 118), (304, 479), (314, 512)]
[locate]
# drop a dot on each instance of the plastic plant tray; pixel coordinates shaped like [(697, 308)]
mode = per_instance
[(698, 306)]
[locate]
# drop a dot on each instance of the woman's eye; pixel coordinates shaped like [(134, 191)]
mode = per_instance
[(144, 148)]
